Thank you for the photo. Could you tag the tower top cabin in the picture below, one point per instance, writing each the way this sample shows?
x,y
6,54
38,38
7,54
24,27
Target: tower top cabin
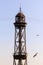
x,y
20,19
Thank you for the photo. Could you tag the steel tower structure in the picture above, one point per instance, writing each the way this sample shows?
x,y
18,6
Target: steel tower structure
x,y
20,55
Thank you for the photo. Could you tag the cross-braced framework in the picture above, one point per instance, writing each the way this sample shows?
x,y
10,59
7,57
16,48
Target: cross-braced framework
x,y
20,55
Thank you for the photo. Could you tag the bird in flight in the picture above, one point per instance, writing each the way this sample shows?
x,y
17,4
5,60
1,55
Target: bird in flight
x,y
37,35
35,54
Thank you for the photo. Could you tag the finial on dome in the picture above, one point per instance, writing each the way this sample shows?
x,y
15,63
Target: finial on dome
x,y
20,7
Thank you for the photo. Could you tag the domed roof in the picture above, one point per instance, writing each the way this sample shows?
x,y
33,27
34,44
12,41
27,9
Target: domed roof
x,y
20,19
20,14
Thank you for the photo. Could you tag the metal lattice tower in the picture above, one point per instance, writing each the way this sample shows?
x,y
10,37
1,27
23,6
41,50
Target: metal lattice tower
x,y
20,55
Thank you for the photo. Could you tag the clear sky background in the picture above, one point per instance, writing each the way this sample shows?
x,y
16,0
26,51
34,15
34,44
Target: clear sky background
x,y
33,10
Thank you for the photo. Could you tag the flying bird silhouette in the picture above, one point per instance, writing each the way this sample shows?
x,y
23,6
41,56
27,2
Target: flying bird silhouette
x,y
37,35
35,54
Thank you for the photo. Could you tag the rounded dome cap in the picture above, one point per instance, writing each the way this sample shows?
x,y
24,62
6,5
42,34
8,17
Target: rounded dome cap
x,y
20,14
20,19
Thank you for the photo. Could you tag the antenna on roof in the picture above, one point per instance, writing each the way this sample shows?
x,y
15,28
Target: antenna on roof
x,y
20,7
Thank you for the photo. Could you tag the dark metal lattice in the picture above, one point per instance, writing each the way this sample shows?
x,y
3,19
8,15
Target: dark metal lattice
x,y
20,55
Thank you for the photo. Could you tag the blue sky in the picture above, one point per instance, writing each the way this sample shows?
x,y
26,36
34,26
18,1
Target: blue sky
x,y
33,10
